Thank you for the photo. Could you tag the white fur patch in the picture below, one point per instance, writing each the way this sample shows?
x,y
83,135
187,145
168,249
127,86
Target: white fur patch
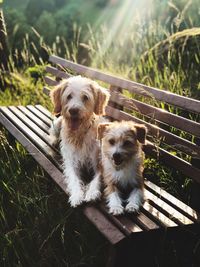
x,y
135,200
115,204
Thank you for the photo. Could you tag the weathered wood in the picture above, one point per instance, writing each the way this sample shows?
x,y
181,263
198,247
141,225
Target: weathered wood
x,y
58,73
133,87
40,115
172,201
103,225
157,216
50,81
144,221
36,120
45,111
171,212
157,113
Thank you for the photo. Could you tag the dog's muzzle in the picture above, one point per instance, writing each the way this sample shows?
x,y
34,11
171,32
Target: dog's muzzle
x,y
117,158
75,119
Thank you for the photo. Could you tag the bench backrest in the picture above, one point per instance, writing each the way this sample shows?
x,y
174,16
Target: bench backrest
x,y
171,119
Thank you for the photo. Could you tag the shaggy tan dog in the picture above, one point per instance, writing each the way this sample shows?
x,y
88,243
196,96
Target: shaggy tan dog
x,y
122,164
81,103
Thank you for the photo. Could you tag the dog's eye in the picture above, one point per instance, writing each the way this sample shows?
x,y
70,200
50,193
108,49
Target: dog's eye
x,y
111,141
85,98
69,97
127,143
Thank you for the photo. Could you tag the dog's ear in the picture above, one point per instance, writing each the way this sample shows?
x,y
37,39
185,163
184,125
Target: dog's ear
x,y
56,94
141,132
101,96
101,129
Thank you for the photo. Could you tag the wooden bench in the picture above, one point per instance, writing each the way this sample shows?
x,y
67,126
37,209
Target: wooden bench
x,y
163,216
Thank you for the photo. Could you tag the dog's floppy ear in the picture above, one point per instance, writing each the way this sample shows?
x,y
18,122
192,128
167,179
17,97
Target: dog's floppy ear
x,y
101,129
141,132
56,94
101,96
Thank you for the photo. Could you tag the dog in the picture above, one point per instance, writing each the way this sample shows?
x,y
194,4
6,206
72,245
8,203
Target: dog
x,y
81,103
122,165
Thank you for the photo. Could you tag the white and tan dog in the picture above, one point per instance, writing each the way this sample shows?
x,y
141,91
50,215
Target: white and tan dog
x,y
81,102
122,165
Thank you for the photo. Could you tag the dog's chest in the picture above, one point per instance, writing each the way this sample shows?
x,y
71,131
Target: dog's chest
x,y
82,155
125,177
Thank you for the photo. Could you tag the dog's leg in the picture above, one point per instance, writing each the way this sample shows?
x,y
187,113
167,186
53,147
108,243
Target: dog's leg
x,y
54,130
135,200
74,186
93,192
114,201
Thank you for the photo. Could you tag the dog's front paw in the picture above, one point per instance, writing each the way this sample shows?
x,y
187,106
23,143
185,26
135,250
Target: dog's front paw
x,y
132,207
92,195
116,210
76,199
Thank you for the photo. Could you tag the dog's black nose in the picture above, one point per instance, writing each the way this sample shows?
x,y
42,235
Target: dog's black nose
x,y
117,157
74,112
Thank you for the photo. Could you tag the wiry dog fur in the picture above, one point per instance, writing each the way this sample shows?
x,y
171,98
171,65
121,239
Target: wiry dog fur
x,y
122,164
81,102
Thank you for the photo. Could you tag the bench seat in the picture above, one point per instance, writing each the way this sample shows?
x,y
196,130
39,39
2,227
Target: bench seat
x,y
30,124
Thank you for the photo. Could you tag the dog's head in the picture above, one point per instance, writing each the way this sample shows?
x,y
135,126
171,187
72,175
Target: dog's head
x,y
77,98
121,141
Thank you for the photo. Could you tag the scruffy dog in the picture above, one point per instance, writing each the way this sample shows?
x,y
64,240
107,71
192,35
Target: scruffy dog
x,y
122,165
81,102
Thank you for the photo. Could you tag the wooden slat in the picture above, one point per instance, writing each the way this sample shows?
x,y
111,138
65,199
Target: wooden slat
x,y
144,221
129,224
116,220
50,81
32,117
173,201
103,225
58,73
157,114
40,115
25,129
45,111
32,125
171,212
133,87
158,216
100,221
